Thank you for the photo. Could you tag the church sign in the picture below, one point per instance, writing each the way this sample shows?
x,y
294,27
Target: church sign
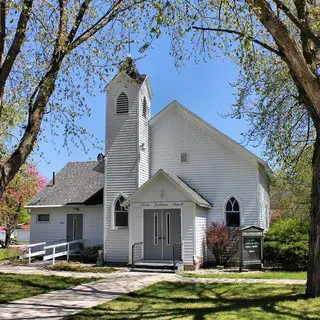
x,y
251,247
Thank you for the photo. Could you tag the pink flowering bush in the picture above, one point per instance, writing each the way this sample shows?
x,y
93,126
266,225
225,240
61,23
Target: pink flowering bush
x,y
26,184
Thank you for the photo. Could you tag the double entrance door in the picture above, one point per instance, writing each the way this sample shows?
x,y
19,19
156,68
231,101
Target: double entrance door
x,y
162,230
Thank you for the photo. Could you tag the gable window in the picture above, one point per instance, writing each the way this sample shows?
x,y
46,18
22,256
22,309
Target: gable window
x,y
120,213
144,107
122,103
233,213
43,217
184,157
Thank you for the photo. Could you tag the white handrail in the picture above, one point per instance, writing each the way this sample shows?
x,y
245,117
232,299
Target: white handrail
x,y
34,254
36,244
66,252
62,244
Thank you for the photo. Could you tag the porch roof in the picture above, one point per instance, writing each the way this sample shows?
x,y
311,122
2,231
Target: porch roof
x,y
179,183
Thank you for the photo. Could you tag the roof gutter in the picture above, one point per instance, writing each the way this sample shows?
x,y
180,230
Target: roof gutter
x,y
59,205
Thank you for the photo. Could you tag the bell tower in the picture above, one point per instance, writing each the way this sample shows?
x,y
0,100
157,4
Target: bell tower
x,y
127,151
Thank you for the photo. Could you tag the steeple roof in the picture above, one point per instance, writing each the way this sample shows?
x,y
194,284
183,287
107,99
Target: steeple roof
x,y
129,67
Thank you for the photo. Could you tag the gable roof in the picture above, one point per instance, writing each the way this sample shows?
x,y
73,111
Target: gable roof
x,y
179,183
75,183
178,106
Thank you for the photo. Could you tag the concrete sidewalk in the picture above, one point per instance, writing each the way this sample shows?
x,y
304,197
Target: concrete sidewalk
x,y
59,304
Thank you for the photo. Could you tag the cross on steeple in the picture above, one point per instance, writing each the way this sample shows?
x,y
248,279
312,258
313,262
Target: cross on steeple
x,y
129,43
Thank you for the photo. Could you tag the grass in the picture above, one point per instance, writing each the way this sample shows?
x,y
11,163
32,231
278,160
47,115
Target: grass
x,y
78,267
9,253
196,301
19,286
299,275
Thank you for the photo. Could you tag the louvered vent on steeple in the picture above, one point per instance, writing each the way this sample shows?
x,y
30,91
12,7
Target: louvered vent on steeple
x,y
144,107
122,103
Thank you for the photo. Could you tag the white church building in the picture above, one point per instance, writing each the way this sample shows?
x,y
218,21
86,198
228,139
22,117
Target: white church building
x,y
163,179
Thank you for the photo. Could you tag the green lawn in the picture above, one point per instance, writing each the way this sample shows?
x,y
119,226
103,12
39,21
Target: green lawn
x,y
14,286
9,253
250,275
195,301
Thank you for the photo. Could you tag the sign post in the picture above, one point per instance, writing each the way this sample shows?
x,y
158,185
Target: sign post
x,y
251,247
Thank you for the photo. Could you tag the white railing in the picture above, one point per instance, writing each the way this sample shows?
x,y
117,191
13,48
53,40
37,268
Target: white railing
x,y
31,254
65,252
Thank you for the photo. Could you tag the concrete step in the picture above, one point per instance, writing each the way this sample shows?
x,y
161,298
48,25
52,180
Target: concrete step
x,y
153,270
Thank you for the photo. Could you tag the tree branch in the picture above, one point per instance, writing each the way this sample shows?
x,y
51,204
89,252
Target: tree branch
x,y
113,11
103,21
298,21
293,55
3,14
79,18
36,111
241,34
15,47
63,22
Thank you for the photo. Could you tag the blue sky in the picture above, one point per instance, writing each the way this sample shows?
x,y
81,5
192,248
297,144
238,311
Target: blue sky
x,y
204,88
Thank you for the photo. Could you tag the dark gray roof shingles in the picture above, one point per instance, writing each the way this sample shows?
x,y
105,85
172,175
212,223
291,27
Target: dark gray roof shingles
x,y
75,183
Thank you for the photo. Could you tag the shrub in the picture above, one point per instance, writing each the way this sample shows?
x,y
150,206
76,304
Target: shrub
x,y
286,244
90,254
222,241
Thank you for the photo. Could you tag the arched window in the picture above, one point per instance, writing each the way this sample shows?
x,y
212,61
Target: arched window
x,y
120,213
233,213
122,103
144,107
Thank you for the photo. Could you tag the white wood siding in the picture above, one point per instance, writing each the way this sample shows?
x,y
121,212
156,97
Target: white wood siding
x,y
56,228
200,232
124,134
264,201
214,170
144,169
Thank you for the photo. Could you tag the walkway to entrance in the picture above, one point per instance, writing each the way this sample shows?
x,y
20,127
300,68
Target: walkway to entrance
x,y
59,304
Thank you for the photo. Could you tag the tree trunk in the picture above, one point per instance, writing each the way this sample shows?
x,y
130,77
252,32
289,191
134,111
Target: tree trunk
x,y
8,238
11,226
313,282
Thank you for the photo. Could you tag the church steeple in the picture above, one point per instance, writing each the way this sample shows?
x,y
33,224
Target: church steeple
x,y
129,67
127,148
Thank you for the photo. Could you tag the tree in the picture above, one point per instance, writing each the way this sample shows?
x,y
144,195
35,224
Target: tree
x,y
27,183
291,190
51,54
277,45
222,241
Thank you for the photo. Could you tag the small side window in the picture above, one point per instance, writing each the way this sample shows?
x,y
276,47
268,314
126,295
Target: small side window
x,y
43,217
120,214
184,157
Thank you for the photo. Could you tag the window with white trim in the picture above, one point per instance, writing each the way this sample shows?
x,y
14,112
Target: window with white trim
x,y
122,103
120,214
43,217
233,213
